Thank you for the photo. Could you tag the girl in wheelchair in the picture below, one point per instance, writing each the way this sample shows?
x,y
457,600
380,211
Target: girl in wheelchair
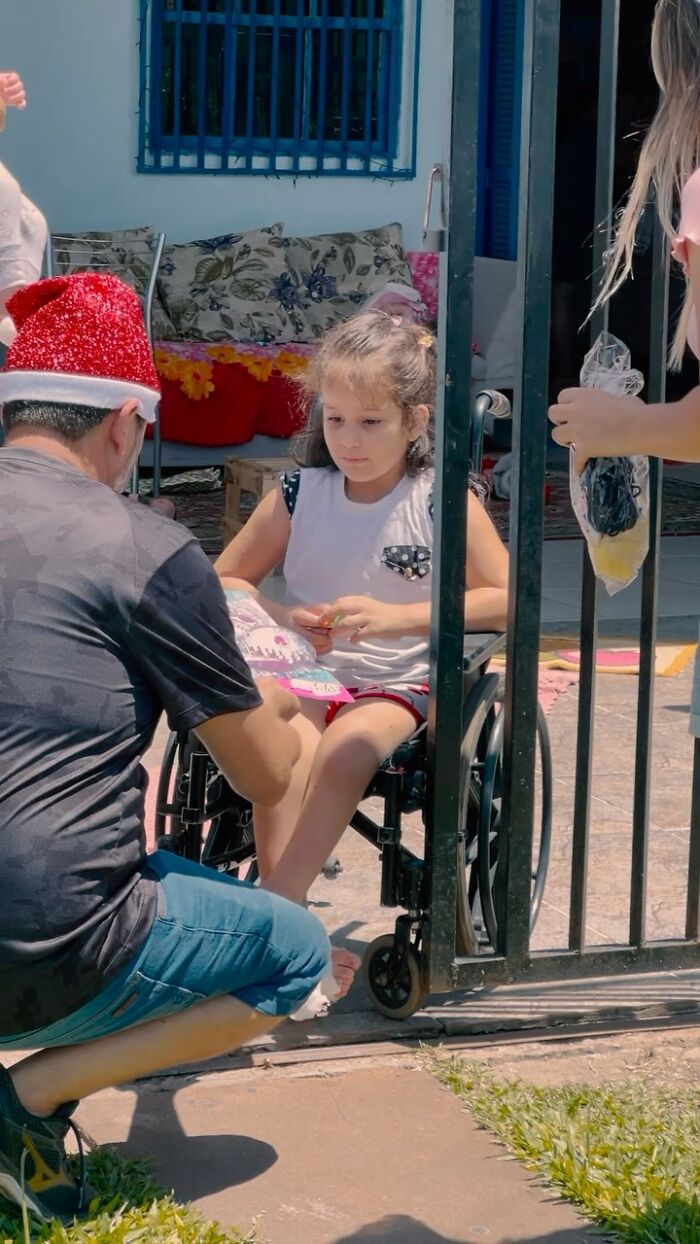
x,y
354,528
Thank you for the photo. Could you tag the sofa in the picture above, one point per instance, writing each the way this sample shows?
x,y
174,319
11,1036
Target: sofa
x,y
237,317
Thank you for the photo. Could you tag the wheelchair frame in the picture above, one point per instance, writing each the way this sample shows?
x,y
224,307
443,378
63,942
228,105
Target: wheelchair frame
x,y
393,970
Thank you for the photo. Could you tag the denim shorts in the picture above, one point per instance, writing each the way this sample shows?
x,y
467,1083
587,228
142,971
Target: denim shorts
x,y
212,935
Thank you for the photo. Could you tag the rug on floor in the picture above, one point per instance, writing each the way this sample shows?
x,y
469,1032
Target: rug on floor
x,y
670,659
558,654
680,510
203,512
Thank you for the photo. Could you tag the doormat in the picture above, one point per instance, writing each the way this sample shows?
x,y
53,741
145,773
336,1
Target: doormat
x,y
203,514
680,510
670,659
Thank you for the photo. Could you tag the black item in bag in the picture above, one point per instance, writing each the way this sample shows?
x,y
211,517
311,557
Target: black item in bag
x,y
611,495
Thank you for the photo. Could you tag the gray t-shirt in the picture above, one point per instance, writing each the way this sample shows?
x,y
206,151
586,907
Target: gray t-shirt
x,y
109,614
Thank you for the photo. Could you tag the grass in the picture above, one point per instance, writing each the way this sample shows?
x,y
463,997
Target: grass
x,y
627,1155
131,1209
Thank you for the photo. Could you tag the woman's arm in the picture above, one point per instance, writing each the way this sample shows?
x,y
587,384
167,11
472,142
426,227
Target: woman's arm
x,y
600,425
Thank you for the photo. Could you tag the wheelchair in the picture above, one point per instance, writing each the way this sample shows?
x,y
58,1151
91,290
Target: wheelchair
x,y
200,816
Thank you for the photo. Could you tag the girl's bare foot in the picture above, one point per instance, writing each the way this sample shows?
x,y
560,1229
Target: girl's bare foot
x,y
344,965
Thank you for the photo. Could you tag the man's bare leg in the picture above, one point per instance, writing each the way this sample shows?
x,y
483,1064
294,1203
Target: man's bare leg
x,y
275,826
51,1078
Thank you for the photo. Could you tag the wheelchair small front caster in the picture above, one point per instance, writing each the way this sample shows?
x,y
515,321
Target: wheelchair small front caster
x,y
395,987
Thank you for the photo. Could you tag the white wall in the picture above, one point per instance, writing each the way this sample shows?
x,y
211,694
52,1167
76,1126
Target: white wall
x,y
74,149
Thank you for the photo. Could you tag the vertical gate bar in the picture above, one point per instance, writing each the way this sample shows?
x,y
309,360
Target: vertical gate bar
x,y
345,86
692,915
453,428
369,86
539,112
322,86
202,84
177,81
230,55
250,85
300,37
274,86
602,230
656,389
145,44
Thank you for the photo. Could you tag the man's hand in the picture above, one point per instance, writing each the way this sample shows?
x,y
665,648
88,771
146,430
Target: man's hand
x,y
12,89
361,617
598,424
284,703
306,620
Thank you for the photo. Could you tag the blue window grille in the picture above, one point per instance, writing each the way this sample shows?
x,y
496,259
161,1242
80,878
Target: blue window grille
x,y
279,87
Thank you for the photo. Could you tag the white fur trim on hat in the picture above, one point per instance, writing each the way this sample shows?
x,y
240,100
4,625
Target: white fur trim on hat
x,y
52,386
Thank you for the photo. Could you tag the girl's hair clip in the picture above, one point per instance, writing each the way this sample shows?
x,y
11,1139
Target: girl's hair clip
x,y
426,340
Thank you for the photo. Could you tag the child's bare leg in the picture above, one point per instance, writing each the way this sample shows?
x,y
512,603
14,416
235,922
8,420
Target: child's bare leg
x,y
350,751
275,826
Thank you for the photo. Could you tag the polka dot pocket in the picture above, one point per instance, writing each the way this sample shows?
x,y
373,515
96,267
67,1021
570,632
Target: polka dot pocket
x,y
411,561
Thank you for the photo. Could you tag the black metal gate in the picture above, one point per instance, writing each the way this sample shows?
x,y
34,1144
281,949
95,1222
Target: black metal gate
x,y
512,958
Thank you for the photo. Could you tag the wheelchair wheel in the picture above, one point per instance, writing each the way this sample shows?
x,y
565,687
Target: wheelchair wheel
x,y
481,816
221,836
173,832
396,989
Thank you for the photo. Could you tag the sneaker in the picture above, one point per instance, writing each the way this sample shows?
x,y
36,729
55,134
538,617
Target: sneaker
x,y
34,1166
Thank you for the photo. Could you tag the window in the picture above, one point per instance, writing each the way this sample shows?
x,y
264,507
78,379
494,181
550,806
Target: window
x,y
279,86
502,25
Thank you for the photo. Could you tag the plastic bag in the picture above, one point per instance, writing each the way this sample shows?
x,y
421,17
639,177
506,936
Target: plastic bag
x,y
611,496
272,649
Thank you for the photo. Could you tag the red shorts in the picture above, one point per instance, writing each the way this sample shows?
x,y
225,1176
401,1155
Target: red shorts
x,y
413,697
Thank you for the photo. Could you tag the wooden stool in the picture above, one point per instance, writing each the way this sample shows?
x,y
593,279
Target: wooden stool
x,y
247,481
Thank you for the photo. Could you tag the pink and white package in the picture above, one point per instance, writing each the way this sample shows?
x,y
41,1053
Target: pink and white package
x,y
280,652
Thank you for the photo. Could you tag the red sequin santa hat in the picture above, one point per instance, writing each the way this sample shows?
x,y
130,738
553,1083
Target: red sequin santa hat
x,y
81,340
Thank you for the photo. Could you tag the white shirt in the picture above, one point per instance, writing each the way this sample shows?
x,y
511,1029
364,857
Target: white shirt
x,y
23,234
340,547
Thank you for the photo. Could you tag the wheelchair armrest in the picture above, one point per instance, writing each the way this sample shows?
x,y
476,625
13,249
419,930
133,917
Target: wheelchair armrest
x,y
478,649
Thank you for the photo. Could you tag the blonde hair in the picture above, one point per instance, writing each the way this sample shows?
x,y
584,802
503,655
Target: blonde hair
x,y
373,353
670,152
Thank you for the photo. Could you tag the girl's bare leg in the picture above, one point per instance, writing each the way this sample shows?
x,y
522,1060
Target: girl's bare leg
x,y
346,758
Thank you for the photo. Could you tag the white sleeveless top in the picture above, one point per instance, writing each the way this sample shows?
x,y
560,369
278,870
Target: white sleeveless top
x,y
344,548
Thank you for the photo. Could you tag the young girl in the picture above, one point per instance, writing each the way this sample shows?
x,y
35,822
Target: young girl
x,y
355,529
596,423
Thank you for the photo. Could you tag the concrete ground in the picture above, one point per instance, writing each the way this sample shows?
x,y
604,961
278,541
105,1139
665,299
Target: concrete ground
x,y
346,1155
361,1146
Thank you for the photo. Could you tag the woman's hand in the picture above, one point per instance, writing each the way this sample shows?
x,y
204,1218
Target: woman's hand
x,y
361,617
599,425
306,621
12,89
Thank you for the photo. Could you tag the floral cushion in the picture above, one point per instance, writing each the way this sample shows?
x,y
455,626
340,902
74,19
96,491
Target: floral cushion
x,y
331,275
227,288
127,253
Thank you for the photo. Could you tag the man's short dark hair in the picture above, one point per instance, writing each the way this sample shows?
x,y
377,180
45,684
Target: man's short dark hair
x,y
69,421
